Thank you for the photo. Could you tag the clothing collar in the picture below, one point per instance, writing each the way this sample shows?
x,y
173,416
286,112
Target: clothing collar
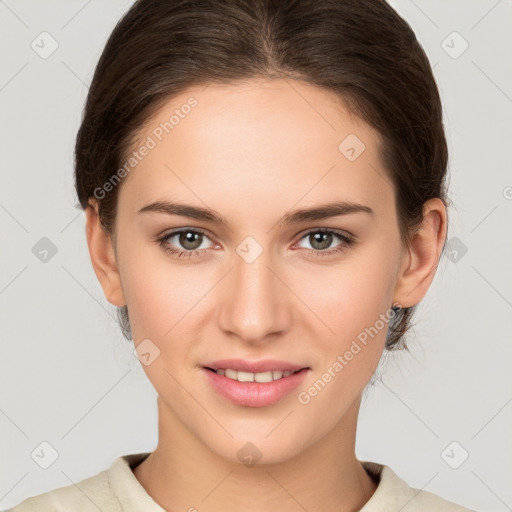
x,y
134,498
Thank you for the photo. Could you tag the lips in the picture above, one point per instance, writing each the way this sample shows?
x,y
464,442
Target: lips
x,y
247,383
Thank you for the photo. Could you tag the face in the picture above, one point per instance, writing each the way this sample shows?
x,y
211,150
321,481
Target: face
x,y
311,293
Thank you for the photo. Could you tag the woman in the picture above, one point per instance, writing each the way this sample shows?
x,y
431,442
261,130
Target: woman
x,y
264,188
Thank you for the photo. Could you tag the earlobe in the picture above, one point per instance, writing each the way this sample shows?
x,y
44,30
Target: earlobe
x,y
422,257
103,257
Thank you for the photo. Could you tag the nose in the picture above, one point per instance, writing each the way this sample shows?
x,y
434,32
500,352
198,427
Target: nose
x,y
254,304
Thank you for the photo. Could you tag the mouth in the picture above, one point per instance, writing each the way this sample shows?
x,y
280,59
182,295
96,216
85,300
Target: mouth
x,y
254,384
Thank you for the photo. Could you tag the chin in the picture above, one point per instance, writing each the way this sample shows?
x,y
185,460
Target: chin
x,y
259,449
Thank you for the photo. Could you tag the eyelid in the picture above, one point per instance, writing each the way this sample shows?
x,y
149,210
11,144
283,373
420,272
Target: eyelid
x,y
336,231
175,231
347,240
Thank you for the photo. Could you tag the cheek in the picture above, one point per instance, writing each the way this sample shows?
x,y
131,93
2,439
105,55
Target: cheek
x,y
354,305
353,301
156,291
350,297
341,299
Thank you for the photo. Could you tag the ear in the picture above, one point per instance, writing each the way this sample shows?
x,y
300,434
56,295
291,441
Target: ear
x,y
103,257
421,258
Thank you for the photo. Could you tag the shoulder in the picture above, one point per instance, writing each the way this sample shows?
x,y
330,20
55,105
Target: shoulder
x,y
90,494
394,494
113,490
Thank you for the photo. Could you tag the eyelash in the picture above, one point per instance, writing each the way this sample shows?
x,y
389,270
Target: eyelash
x,y
348,242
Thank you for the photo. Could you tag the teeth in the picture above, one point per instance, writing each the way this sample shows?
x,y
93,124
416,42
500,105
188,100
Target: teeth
x,y
231,374
263,376
240,376
245,377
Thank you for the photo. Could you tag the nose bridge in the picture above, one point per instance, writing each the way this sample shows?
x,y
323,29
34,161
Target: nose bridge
x,y
253,305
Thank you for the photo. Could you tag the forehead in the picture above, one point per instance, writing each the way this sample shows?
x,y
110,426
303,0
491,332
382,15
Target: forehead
x,y
266,140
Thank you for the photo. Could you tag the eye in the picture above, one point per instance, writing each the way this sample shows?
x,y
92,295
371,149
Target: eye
x,y
189,239
322,238
192,240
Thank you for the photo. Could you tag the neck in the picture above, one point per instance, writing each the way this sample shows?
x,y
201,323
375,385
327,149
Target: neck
x,y
184,474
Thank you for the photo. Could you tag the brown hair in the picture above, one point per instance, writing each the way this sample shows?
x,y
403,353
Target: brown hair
x,y
361,50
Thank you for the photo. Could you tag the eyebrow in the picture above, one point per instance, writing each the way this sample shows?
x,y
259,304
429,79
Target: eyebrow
x,y
320,212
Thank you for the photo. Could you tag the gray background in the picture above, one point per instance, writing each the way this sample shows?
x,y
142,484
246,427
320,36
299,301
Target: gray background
x,y
69,379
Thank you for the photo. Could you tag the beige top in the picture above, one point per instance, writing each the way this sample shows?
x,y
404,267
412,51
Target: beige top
x,y
117,489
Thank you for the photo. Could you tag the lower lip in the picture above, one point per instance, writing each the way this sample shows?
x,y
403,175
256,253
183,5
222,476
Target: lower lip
x,y
255,394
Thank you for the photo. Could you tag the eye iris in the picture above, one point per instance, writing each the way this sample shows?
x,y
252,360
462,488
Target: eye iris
x,y
187,237
325,240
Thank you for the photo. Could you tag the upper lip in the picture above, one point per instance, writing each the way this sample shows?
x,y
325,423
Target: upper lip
x,y
253,366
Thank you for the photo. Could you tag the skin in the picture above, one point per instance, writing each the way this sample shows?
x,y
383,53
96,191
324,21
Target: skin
x,y
253,152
